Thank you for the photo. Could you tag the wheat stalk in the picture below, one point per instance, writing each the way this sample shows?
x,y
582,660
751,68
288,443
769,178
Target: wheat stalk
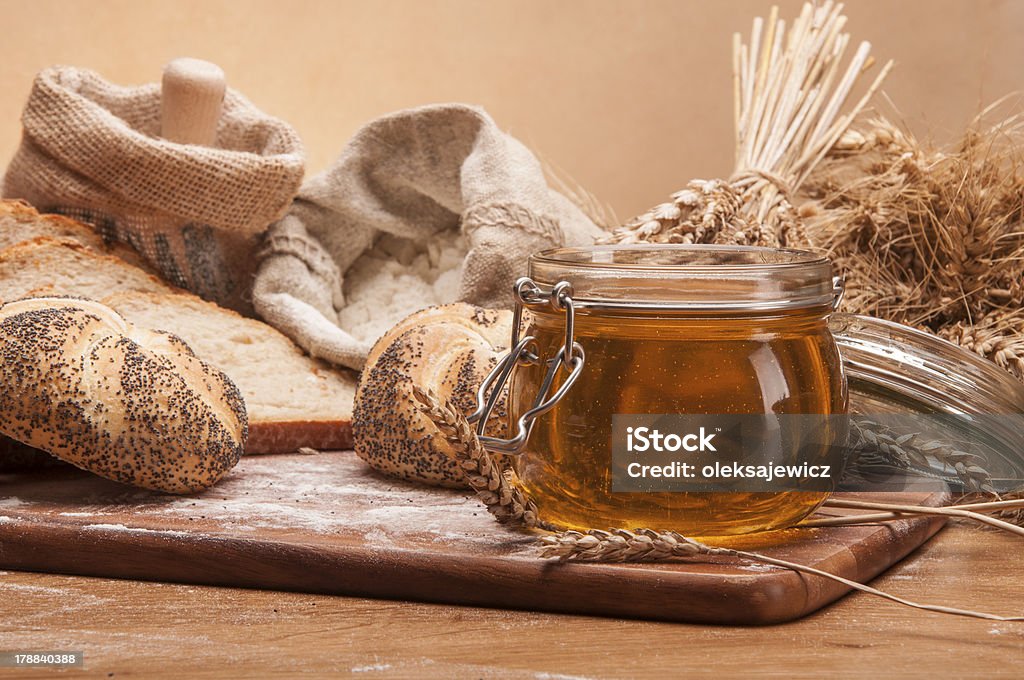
x,y
1007,509
954,511
645,545
1011,512
789,97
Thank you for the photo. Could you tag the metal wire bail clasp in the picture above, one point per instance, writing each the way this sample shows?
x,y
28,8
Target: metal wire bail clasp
x,y
569,357
838,291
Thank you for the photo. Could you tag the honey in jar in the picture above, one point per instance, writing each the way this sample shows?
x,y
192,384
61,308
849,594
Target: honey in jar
x,y
697,330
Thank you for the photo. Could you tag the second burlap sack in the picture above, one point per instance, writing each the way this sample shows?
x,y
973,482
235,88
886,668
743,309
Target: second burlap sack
x,y
420,177
92,150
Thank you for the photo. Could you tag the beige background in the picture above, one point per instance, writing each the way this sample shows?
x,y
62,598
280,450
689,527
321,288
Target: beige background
x,y
630,99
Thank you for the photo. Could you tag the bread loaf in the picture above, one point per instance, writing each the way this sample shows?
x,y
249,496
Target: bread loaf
x,y
292,399
129,404
19,222
449,349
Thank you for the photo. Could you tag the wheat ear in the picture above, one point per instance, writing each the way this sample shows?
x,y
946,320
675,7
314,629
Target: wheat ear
x,y
496,488
904,450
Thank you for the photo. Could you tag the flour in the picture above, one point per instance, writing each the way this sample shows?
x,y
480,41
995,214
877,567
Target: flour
x,y
250,514
398,277
48,600
330,494
46,590
302,492
4,519
11,502
134,530
378,538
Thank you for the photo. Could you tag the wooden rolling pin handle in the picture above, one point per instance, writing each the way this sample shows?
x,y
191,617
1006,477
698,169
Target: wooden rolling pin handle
x,y
192,95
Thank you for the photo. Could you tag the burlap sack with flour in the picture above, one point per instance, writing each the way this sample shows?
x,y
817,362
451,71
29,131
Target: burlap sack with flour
x,y
405,189
91,149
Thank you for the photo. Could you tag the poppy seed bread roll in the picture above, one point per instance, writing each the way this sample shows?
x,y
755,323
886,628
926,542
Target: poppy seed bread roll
x,y
449,349
128,404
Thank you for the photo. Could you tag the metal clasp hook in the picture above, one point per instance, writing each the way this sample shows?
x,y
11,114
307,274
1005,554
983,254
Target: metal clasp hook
x,y
569,357
838,291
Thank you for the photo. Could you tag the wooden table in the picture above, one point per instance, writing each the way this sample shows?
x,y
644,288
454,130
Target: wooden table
x,y
134,629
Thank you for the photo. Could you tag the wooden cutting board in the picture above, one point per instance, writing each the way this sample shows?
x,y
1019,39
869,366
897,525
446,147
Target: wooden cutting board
x,y
327,524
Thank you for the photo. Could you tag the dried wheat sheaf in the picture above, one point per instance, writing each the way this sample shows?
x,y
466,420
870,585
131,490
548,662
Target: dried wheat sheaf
x,y
793,100
932,238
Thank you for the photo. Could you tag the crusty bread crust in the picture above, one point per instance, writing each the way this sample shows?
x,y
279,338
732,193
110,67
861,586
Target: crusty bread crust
x,y
20,222
448,349
39,261
128,404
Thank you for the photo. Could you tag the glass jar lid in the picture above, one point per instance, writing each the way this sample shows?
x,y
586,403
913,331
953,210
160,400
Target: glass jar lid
x,y
688,277
903,370
933,390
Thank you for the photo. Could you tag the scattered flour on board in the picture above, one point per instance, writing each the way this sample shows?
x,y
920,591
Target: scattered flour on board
x,y
46,590
46,600
300,493
148,643
134,530
4,519
11,502
332,493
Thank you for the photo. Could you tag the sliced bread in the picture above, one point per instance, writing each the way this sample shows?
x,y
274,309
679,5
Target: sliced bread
x,y
67,267
293,400
20,222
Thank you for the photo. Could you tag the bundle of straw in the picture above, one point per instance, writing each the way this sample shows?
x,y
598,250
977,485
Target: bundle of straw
x,y
932,238
790,94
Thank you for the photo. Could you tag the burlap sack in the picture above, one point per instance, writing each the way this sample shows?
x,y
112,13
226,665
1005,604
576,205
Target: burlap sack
x,y
414,174
91,150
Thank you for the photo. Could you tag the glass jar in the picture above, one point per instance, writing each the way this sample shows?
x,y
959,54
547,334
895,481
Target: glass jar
x,y
617,331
